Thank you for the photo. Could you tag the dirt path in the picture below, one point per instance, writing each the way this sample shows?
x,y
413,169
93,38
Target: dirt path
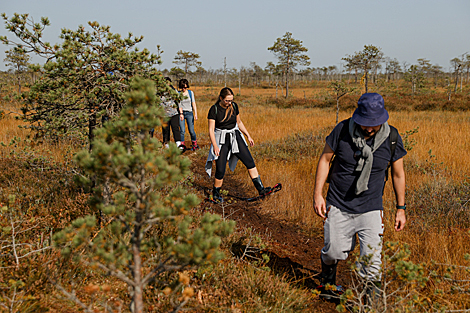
x,y
290,251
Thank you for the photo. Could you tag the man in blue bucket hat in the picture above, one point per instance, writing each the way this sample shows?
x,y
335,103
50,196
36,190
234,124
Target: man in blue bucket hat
x,y
363,147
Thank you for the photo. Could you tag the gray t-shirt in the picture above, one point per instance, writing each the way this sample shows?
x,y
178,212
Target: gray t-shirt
x,y
343,179
186,103
169,106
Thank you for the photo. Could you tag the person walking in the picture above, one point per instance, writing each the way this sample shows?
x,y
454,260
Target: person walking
x,y
228,143
188,112
363,147
172,113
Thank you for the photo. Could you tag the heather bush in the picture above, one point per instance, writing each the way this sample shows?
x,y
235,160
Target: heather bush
x,y
442,203
307,144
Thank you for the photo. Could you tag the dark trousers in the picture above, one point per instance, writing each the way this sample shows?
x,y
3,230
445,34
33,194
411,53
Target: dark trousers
x,y
174,124
244,155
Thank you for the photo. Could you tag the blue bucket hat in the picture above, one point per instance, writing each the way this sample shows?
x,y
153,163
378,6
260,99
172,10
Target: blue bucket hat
x,y
370,110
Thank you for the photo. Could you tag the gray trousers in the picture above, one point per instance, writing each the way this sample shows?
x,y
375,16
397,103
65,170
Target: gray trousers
x,y
340,231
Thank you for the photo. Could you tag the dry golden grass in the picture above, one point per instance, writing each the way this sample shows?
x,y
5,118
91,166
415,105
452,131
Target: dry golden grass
x,y
10,127
447,134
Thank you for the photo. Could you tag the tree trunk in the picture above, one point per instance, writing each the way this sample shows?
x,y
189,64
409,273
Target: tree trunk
x,y
225,72
277,84
376,74
365,80
138,296
240,82
337,110
461,78
287,83
91,127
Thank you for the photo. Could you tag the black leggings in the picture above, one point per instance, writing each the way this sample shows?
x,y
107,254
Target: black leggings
x,y
174,123
244,155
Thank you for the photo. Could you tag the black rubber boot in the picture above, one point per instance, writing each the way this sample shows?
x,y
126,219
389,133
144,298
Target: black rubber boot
x,y
216,194
328,288
328,273
259,186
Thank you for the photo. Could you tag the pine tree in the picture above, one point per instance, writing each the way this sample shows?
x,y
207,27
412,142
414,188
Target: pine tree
x,y
187,59
84,78
146,200
18,61
290,54
367,58
353,62
339,89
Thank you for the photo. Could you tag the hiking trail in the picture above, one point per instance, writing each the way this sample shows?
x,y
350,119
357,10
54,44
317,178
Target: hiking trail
x,y
290,251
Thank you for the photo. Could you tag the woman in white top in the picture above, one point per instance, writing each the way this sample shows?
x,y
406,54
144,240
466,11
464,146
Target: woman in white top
x,y
188,112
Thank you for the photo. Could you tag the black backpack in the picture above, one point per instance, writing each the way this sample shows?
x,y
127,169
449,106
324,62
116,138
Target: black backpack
x,y
393,138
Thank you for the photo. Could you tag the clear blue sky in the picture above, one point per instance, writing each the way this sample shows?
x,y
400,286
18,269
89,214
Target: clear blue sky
x,y
241,31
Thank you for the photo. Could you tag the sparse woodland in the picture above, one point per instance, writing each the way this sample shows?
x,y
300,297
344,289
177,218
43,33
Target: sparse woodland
x,y
96,216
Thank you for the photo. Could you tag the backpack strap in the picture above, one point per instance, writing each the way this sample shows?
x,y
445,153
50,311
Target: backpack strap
x,y
344,132
190,95
393,139
215,108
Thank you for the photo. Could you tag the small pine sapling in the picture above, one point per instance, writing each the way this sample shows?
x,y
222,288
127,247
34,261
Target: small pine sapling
x,y
339,89
400,289
146,199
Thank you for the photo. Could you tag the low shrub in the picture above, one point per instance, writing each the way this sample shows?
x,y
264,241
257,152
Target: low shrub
x,y
302,145
441,203
240,287
43,189
393,102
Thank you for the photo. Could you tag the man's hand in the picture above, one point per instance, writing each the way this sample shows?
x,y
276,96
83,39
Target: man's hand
x,y
323,168
398,179
320,206
400,220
